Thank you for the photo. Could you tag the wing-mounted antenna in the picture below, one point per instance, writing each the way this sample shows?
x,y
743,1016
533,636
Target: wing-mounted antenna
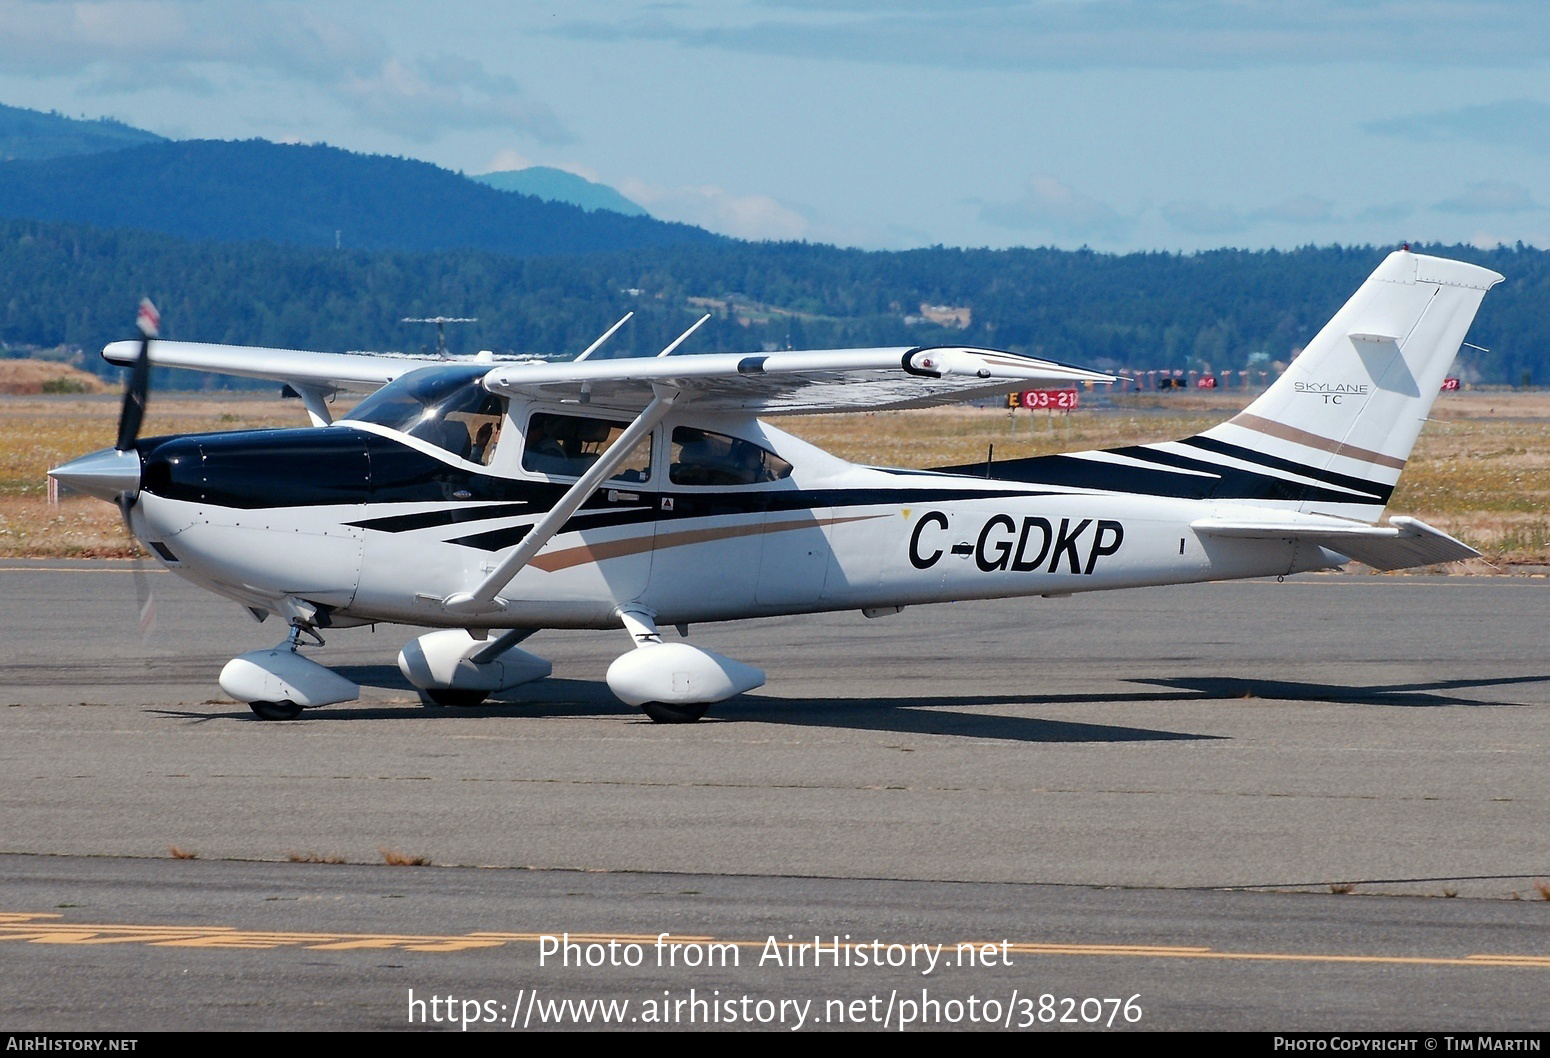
x,y
441,328
595,346
684,336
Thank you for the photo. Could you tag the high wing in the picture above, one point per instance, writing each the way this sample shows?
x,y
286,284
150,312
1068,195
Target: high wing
x,y
782,383
315,377
351,371
793,383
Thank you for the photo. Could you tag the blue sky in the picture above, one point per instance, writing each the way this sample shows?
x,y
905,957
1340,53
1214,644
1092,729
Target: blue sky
x,y
1116,124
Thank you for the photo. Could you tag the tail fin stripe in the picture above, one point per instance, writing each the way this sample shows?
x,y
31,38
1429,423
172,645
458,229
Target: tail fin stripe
x,y
1281,430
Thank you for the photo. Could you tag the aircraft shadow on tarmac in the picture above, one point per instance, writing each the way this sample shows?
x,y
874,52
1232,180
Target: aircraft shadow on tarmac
x,y
913,715
920,715
1423,694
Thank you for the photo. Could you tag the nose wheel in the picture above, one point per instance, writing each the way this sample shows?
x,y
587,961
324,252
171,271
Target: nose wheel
x,y
282,710
673,712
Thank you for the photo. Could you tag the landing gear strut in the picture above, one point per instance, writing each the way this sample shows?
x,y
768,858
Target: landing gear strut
x,y
279,683
673,683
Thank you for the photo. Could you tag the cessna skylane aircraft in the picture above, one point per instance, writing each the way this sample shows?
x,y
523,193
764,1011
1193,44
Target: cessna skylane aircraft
x,y
491,499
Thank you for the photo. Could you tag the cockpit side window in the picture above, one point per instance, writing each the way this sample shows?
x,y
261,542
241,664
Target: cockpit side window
x,y
568,445
445,406
468,425
700,457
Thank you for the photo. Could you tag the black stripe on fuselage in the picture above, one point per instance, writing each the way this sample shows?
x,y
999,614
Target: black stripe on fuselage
x,y
1222,483
1345,481
1244,479
403,523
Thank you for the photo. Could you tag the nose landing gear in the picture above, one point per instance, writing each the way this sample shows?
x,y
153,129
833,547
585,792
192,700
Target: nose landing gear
x,y
279,683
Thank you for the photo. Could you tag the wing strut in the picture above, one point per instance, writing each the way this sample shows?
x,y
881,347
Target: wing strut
x,y
315,400
482,600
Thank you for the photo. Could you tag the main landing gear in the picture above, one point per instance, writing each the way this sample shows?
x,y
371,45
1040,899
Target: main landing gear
x,y
674,683
459,667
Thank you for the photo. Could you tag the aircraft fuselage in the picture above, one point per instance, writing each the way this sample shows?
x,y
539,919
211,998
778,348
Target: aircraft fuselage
x,y
372,526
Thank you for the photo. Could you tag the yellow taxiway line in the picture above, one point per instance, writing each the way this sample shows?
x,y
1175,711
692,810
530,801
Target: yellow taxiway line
x,y
49,928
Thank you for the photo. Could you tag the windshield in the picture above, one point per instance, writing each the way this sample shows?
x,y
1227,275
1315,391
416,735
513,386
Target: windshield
x,y
444,405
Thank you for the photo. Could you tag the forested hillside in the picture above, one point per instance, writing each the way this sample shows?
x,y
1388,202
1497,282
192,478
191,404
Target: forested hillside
x,y
34,134
240,191
73,285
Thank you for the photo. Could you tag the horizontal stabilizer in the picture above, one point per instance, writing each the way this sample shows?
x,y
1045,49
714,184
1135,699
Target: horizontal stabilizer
x,y
1402,544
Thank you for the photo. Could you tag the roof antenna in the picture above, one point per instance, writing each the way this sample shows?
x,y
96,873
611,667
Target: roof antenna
x,y
441,328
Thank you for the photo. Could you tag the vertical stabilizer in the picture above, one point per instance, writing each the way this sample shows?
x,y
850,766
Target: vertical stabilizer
x,y
1349,408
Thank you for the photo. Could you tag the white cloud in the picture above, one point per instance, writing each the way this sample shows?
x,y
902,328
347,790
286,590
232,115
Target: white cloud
x,y
423,98
1300,209
1049,206
1131,34
716,209
1482,240
1490,196
508,160
1200,219
1390,213
215,48
1520,123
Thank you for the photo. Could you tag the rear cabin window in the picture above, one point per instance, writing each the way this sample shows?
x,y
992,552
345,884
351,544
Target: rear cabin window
x,y
700,457
568,445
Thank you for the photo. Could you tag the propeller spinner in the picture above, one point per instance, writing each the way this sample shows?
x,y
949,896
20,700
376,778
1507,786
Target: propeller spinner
x,y
113,474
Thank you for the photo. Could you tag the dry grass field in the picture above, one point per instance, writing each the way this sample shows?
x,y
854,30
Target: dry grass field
x,y
1480,471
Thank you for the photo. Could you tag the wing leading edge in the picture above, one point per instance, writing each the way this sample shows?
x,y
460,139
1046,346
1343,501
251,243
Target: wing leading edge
x,y
796,382
351,371
782,383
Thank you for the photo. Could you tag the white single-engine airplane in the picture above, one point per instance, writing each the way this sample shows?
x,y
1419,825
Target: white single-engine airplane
x,y
490,499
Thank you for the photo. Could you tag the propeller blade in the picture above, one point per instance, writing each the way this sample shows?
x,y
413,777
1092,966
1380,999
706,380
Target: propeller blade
x,y
138,388
143,594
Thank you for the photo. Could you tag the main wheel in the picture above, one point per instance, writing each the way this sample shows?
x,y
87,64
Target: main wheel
x,y
457,697
283,710
672,713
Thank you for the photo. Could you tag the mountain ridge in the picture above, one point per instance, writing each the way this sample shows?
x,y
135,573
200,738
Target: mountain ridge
x,y
311,195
